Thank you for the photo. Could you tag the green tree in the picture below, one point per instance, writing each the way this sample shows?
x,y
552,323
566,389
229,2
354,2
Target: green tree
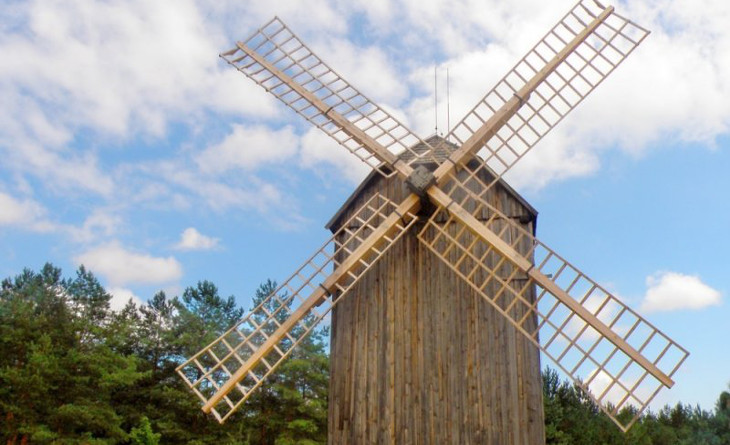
x,y
60,377
74,372
291,408
171,329
143,434
203,316
721,422
570,418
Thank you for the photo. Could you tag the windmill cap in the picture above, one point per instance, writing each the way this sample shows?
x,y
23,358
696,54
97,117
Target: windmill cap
x,y
441,150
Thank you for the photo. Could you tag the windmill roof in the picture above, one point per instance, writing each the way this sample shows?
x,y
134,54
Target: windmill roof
x,y
442,148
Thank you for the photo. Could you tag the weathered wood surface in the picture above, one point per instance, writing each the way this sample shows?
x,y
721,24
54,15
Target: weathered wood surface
x,y
417,357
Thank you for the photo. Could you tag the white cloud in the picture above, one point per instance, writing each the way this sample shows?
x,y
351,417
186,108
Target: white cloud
x,y
62,169
115,70
175,185
367,69
248,148
133,66
100,223
557,157
318,149
671,291
191,239
118,64
471,75
314,16
27,214
13,211
247,192
670,88
120,298
604,386
121,266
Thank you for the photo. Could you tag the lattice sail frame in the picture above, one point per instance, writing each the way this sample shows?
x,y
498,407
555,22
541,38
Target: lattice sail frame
x,y
208,370
293,61
610,377
566,87
279,61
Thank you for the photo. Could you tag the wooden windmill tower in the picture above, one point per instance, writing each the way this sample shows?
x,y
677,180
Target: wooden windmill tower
x,y
441,296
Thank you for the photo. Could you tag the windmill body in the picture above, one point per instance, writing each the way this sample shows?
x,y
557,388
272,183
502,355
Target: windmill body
x,y
417,356
440,293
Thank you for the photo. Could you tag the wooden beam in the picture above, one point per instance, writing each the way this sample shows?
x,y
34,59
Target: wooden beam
x,y
382,153
409,205
477,140
479,229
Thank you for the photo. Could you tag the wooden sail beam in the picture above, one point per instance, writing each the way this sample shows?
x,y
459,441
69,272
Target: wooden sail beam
x,y
512,106
479,229
276,59
580,73
409,206
377,149
268,345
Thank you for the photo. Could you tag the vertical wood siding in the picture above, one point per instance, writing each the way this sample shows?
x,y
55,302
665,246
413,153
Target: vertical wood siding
x,y
417,357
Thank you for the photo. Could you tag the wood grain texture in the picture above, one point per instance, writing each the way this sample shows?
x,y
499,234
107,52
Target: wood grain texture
x,y
417,357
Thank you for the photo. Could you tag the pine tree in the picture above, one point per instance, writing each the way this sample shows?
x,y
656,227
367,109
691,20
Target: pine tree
x,y
721,421
59,372
291,407
143,434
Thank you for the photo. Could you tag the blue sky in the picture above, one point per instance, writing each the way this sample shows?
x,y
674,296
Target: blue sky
x,y
127,145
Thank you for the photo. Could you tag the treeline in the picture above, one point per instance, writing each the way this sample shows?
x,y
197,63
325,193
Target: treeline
x,y
72,371
571,418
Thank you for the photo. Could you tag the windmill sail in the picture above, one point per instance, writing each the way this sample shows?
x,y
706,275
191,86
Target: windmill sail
x,y
225,373
599,50
618,358
275,58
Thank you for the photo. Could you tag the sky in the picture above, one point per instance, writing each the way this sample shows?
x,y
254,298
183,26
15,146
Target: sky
x,y
128,146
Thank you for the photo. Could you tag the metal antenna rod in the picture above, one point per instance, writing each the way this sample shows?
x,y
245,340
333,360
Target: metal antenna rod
x,y
435,102
448,105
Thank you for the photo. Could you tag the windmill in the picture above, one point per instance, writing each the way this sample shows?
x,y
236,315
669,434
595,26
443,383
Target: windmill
x,y
439,212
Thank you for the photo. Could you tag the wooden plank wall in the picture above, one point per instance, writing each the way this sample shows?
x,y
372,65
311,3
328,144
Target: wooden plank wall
x,y
418,358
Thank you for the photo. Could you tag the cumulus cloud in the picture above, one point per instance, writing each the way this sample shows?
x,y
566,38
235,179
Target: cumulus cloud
x,y
654,95
671,291
115,70
121,296
367,68
248,192
191,239
173,74
63,169
120,266
23,213
123,63
100,223
178,186
318,149
248,148
87,83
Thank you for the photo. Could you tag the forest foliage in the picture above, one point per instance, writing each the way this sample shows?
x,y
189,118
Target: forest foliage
x,y
72,371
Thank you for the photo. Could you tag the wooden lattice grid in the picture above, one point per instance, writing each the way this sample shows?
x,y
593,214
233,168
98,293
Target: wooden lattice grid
x,y
610,376
282,64
207,371
576,77
275,58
